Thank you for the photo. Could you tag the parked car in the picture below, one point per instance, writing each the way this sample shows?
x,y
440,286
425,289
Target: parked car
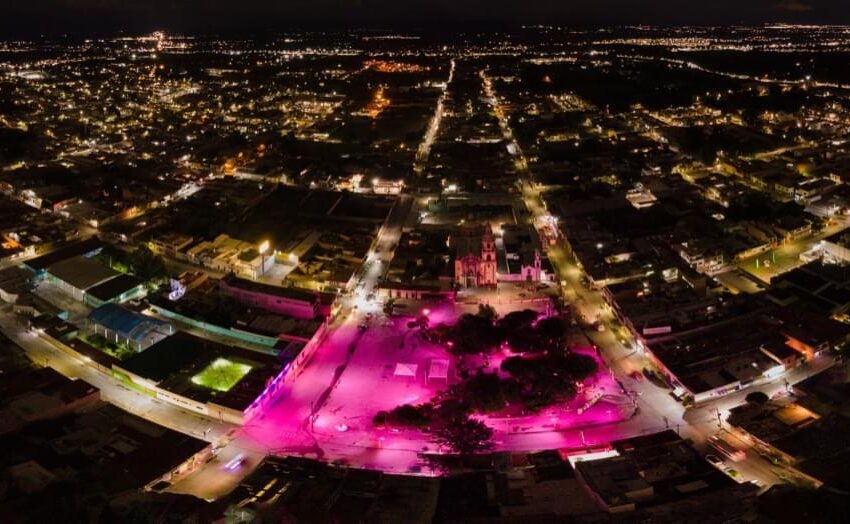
x,y
714,460
734,474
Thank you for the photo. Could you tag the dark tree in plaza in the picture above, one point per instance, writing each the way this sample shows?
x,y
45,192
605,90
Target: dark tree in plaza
x,y
464,435
486,392
551,334
406,415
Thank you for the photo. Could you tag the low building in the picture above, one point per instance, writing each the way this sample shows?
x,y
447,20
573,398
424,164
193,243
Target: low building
x,y
76,275
641,197
820,286
85,248
116,290
521,257
228,255
42,394
208,308
14,282
812,190
718,359
704,256
764,424
222,382
295,302
171,245
782,353
617,483
101,447
661,478
387,187
124,325
435,291
309,490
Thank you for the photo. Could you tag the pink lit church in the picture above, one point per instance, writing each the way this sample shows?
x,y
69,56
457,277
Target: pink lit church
x,y
475,257
481,261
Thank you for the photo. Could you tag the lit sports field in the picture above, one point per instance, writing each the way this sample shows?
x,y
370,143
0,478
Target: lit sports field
x,y
221,374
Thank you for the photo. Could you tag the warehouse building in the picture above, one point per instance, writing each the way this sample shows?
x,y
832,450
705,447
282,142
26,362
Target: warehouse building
x,y
115,290
76,275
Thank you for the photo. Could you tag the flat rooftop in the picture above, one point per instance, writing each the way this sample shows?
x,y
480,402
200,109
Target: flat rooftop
x,y
82,272
63,253
291,293
174,361
301,295
114,287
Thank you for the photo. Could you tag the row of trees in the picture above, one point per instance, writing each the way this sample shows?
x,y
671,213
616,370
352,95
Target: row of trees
x,y
484,332
535,382
546,372
549,378
449,422
543,372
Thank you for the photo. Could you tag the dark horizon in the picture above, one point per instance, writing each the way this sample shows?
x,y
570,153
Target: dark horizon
x,y
51,17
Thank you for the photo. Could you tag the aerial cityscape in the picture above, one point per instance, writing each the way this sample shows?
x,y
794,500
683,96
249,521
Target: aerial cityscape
x,y
538,274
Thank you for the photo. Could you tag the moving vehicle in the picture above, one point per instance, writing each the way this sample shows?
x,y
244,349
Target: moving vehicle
x,y
727,450
236,462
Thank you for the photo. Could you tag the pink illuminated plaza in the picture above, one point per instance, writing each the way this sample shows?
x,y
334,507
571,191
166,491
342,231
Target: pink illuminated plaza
x,y
327,408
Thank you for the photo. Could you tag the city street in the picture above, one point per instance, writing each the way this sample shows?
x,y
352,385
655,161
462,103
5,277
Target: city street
x,y
305,421
325,408
658,409
434,263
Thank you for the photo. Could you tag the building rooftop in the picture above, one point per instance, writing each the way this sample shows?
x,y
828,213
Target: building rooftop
x,y
82,272
291,293
173,362
114,287
14,280
652,470
84,247
179,352
127,323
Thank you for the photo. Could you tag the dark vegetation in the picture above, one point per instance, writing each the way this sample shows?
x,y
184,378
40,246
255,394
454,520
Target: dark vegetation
x,y
542,372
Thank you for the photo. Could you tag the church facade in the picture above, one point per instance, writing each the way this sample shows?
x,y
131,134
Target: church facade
x,y
475,257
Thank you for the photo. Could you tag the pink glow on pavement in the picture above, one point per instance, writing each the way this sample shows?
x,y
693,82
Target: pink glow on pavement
x,y
600,401
348,388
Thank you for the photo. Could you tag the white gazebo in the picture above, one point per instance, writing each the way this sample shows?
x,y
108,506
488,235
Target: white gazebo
x,y
438,369
403,369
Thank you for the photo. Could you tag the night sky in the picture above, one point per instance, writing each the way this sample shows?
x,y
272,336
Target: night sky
x,y
35,16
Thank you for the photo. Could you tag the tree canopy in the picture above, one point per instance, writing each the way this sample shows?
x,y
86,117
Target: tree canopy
x,y
464,435
484,333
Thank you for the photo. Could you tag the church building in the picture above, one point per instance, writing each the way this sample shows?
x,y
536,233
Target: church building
x,y
475,257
